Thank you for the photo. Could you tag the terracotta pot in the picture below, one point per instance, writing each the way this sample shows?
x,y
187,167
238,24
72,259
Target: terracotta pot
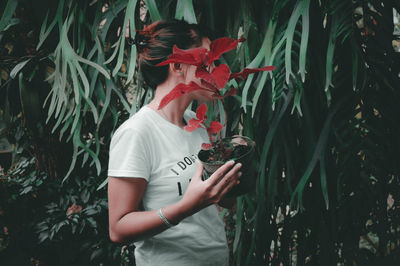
x,y
247,180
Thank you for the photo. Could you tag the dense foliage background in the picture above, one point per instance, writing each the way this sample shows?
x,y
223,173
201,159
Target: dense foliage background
x,y
326,124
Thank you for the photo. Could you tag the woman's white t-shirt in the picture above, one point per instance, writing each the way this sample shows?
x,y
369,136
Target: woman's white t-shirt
x,y
150,147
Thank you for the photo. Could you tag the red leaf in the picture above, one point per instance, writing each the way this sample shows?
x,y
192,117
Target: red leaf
x,y
194,56
221,75
193,124
217,79
178,91
231,92
214,127
198,53
242,75
203,74
209,86
221,46
201,112
206,146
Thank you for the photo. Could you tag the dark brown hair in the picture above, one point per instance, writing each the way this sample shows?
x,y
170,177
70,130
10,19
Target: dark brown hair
x,y
155,43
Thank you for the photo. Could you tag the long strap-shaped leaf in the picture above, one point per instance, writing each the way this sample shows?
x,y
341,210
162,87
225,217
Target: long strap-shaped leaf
x,y
8,13
329,58
304,42
257,61
324,182
300,9
260,213
318,154
129,18
267,144
78,144
109,15
267,54
153,10
185,10
58,18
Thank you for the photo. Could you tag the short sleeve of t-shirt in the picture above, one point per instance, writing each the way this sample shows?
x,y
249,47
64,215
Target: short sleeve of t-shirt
x,y
129,156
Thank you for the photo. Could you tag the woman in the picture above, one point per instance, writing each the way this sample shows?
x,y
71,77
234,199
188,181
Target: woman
x,y
156,194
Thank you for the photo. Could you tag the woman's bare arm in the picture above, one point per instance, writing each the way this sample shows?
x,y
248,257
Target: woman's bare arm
x,y
128,223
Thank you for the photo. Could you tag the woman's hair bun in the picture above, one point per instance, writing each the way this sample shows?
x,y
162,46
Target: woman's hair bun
x,y
141,40
156,41
144,37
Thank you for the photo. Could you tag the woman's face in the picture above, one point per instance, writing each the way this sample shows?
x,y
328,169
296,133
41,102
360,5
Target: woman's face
x,y
190,75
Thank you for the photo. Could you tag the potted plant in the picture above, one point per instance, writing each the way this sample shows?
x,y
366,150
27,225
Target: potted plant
x,y
237,148
215,79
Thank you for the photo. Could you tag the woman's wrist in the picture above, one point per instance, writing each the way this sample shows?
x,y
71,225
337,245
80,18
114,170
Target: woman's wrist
x,y
176,213
165,219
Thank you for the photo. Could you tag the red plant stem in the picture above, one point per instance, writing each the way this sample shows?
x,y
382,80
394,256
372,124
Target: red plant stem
x,y
221,145
226,114
225,122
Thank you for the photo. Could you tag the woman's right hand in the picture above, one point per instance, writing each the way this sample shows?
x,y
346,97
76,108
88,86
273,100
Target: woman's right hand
x,y
201,194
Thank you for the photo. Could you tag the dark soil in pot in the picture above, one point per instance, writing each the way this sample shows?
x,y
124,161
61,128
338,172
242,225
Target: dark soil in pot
x,y
237,148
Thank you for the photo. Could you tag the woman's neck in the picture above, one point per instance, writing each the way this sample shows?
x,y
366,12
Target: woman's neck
x,y
174,110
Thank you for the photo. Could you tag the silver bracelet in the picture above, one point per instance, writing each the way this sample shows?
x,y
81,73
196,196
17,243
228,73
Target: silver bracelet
x,y
164,219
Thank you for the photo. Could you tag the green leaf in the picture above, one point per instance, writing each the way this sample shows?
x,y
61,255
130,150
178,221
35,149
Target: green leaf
x,y
26,190
239,217
75,82
318,153
91,105
152,8
324,183
329,58
222,116
13,22
304,43
185,10
121,97
106,102
18,68
297,99
45,33
257,94
267,55
7,14
301,7
74,157
273,178
120,45
83,77
96,66
263,53
96,254
131,64
102,184
85,195
109,15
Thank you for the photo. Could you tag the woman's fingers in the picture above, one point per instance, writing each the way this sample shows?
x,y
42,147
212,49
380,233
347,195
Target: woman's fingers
x,y
229,185
200,194
230,179
216,177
